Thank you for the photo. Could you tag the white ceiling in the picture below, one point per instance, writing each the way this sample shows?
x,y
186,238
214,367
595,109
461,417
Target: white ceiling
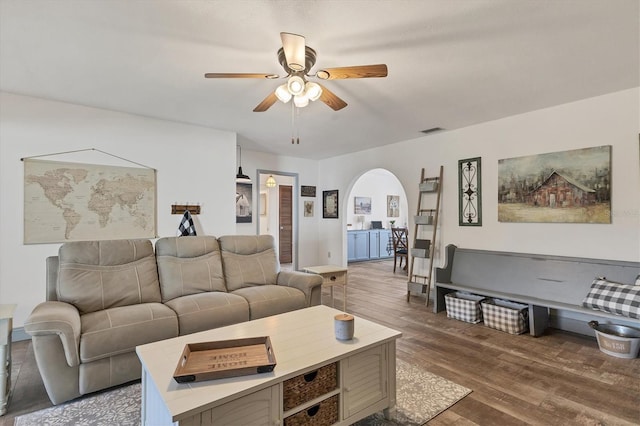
x,y
452,63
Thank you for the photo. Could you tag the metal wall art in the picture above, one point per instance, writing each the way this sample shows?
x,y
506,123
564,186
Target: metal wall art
x,y
469,193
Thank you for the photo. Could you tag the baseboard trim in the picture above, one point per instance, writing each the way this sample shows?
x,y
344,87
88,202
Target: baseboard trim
x,y
19,334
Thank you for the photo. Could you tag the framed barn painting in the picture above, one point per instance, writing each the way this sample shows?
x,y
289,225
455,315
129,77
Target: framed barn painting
x,y
567,187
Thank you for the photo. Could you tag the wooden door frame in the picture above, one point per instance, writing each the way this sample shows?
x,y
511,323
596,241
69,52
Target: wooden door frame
x,y
262,177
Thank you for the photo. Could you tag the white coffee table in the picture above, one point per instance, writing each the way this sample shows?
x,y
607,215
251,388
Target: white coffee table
x,y
303,341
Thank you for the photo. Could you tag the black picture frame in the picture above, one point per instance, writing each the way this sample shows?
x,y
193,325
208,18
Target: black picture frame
x,y
244,200
307,191
330,204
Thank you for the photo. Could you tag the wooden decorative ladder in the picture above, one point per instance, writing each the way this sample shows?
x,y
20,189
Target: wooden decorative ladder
x,y
423,248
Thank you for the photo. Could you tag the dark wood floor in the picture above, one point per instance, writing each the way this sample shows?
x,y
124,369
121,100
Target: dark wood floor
x,y
557,379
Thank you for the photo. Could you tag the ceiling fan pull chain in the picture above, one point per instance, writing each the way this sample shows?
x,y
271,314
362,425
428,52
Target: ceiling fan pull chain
x,y
298,126
293,122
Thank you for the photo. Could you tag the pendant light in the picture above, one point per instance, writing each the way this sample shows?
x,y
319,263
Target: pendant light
x,y
270,182
241,177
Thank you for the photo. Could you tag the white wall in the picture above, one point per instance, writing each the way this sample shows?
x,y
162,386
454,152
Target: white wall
x,y
613,119
307,171
193,165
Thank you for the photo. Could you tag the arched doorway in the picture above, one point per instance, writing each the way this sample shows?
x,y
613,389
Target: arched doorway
x,y
376,201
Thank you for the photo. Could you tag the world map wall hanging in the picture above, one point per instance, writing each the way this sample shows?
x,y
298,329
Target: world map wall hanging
x,y
66,201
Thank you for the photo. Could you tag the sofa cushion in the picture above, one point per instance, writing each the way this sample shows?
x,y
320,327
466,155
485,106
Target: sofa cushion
x,y
250,270
181,277
249,260
119,330
97,275
267,300
187,247
246,244
204,311
189,265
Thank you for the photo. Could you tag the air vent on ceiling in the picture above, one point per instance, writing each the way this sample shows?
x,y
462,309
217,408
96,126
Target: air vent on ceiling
x,y
431,130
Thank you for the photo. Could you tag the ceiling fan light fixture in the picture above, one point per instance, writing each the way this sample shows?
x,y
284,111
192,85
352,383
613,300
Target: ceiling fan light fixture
x,y
301,101
294,50
270,182
295,85
313,91
283,94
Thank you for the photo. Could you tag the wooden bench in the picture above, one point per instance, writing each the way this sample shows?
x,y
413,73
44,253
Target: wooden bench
x,y
550,285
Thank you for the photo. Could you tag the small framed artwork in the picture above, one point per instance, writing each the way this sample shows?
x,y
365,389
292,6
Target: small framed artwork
x,y
307,191
469,192
330,204
362,205
243,203
263,204
393,206
308,209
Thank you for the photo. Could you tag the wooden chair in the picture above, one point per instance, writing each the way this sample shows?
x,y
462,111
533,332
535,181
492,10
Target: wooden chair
x,y
400,247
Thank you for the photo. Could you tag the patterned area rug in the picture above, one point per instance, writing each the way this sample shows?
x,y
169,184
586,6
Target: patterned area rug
x,y
420,397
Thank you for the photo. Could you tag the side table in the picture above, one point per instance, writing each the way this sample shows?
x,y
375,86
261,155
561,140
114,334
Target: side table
x,y
332,275
6,327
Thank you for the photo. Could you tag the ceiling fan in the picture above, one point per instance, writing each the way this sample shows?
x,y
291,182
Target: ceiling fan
x,y
297,59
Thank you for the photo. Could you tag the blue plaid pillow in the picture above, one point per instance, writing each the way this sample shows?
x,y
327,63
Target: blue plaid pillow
x,y
615,298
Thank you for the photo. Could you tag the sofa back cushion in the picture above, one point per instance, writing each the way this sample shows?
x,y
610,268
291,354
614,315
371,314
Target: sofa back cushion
x,y
96,275
189,265
249,260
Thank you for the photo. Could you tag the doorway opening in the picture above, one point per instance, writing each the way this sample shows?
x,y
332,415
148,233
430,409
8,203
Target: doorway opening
x,y
277,209
375,203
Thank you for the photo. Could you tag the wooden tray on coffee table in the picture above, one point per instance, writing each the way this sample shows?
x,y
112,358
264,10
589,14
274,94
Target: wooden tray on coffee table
x,y
225,358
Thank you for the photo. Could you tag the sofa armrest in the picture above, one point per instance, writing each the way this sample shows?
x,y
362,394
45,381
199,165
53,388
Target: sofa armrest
x,y
58,318
309,284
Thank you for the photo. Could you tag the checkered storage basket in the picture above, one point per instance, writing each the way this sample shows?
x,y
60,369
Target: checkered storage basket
x,y
506,316
464,306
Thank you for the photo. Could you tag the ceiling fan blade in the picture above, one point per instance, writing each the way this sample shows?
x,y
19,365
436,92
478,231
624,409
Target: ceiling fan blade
x,y
331,99
266,103
238,75
294,50
358,71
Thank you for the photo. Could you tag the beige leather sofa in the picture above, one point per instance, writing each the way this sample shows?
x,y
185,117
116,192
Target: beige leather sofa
x,y
104,298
